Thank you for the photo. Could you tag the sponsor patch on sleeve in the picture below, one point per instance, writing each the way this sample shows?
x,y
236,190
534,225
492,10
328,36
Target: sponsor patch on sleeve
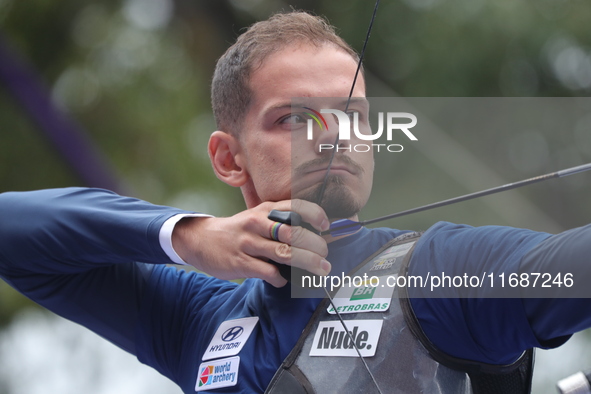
x,y
217,374
230,338
331,339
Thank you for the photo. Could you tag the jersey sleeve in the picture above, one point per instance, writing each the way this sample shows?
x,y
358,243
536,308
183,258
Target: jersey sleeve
x,y
479,325
85,254
568,310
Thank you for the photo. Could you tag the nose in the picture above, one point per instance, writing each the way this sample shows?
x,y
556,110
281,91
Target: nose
x,y
327,138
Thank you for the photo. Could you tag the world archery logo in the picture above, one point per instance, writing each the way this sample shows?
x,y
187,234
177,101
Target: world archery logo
x,y
232,333
205,374
218,374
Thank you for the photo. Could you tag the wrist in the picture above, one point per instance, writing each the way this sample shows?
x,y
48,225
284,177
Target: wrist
x,y
185,239
166,235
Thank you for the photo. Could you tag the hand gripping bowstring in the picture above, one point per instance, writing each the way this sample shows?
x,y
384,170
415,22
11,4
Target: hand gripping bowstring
x,y
323,188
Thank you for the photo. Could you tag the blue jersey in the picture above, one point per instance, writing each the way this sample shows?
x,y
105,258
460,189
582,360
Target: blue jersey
x,y
94,257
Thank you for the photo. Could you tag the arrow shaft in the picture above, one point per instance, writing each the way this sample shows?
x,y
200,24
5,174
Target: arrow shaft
x,y
470,196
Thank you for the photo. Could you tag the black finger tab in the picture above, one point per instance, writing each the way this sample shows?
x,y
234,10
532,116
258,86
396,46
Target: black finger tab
x,y
286,217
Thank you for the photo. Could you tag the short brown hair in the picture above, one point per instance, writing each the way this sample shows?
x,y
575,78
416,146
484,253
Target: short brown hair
x,y
230,90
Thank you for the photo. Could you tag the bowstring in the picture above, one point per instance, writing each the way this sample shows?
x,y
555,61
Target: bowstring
x,y
323,188
359,63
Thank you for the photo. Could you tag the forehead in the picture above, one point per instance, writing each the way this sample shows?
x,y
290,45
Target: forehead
x,y
304,71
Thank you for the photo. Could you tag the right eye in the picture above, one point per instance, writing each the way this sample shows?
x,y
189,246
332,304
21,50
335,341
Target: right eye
x,y
297,118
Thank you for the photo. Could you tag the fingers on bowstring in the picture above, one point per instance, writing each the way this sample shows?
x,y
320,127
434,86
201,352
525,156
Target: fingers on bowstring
x,y
311,213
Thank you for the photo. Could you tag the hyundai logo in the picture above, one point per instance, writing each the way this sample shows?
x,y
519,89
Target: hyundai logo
x,y
232,333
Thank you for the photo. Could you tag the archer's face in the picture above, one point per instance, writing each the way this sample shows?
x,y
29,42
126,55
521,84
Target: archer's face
x,y
281,162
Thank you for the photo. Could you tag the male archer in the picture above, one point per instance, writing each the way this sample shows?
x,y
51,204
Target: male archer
x,y
99,259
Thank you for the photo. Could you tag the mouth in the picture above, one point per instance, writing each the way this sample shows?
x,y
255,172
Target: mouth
x,y
336,169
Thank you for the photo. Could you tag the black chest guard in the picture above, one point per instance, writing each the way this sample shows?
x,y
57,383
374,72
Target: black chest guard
x,y
403,360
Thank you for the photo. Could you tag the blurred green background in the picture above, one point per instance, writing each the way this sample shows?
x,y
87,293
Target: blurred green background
x,y
134,75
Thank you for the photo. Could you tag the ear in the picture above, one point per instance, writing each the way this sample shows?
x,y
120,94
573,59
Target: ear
x,y
226,158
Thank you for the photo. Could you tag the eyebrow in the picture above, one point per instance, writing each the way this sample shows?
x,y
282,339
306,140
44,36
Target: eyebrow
x,y
290,104
280,106
354,100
